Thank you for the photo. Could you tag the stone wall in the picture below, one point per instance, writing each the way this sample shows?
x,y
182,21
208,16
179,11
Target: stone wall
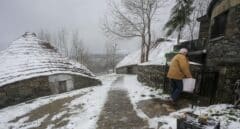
x,y
155,75
228,76
233,24
24,90
151,75
121,70
82,82
36,87
226,49
131,69
222,51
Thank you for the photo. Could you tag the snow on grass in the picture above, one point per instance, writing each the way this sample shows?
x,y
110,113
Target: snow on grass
x,y
59,115
27,125
229,117
34,124
12,112
168,122
83,111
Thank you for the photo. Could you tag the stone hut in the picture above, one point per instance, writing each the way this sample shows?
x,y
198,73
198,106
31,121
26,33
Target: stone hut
x,y
31,68
129,64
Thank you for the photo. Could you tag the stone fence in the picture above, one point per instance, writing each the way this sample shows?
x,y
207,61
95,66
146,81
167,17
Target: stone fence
x,y
152,75
130,69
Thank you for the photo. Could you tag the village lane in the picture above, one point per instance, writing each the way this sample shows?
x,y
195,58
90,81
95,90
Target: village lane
x,y
118,112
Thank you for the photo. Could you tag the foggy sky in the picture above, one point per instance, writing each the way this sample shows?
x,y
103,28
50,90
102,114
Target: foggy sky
x,y
19,16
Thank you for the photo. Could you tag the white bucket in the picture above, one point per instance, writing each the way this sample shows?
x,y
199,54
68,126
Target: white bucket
x,y
189,85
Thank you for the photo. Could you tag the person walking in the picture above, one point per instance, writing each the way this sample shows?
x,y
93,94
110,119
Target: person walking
x,y
178,70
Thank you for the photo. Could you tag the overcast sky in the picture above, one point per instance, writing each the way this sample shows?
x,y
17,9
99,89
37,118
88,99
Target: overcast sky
x,y
19,16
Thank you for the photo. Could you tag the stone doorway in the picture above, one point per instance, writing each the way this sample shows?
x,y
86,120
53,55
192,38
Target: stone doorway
x,y
61,83
62,86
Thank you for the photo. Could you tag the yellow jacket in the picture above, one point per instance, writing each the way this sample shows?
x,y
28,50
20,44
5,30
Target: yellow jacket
x,y
179,68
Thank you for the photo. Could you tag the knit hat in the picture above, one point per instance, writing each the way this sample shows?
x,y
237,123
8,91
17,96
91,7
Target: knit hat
x,y
183,50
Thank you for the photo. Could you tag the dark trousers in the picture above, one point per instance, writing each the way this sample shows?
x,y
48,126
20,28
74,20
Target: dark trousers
x,y
177,87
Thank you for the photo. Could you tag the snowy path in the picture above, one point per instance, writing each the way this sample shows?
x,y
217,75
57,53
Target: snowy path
x,y
118,112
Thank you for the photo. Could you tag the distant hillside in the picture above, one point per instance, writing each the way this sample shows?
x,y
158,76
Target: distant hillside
x,y
98,64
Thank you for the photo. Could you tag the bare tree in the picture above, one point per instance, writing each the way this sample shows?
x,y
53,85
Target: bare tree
x,y
44,35
111,55
61,41
78,51
133,18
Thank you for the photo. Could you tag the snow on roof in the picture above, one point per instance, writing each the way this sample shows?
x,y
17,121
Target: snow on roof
x,y
156,55
29,57
130,59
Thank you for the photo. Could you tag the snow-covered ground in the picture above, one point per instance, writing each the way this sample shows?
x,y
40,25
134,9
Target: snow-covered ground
x,y
80,109
229,117
81,112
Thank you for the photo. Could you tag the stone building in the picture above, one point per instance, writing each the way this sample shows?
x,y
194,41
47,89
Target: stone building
x,y
223,47
219,37
31,68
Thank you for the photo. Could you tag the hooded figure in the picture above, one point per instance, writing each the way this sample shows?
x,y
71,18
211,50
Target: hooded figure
x,y
178,70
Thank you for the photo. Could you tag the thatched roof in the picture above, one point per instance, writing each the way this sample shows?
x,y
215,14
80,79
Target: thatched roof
x,y
29,57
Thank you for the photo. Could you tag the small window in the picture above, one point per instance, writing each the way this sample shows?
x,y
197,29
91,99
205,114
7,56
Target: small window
x,y
219,25
62,86
2,92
